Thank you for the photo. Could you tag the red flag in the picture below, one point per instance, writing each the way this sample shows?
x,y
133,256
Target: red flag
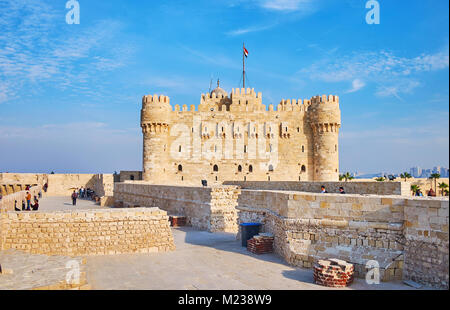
x,y
245,52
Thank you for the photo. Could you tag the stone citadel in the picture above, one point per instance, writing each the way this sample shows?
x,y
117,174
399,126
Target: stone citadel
x,y
232,137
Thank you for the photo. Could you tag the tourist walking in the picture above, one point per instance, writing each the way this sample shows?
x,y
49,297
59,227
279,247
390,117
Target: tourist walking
x,y
341,190
323,190
28,197
74,198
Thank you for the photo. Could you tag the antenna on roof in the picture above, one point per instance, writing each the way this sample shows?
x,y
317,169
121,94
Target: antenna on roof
x,y
210,83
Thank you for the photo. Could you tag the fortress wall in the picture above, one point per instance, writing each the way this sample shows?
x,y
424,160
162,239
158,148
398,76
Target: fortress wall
x,y
7,202
426,243
58,184
128,175
91,232
375,188
206,208
219,133
357,229
15,182
64,184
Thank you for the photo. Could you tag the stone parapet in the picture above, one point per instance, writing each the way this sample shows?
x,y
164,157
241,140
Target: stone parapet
x,y
90,232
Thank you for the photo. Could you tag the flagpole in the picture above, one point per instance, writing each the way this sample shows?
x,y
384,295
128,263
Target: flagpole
x,y
243,64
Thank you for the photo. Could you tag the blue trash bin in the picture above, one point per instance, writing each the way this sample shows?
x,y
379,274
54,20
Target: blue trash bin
x,y
248,230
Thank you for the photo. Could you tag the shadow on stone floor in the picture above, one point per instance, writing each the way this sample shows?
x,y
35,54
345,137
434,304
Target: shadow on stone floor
x,y
226,242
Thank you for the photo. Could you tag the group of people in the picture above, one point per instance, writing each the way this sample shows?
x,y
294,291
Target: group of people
x,y
431,193
324,191
81,193
28,206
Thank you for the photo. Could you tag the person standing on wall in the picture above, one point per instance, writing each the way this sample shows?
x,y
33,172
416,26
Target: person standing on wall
x,y
74,198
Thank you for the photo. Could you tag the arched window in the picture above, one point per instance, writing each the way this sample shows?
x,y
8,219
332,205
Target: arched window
x,y
180,168
245,149
250,168
132,177
303,168
239,168
303,149
335,147
179,148
215,168
270,168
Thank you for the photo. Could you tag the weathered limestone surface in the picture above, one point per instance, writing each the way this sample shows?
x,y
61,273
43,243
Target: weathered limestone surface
x,y
426,242
87,232
233,137
211,209
374,188
58,184
7,202
408,237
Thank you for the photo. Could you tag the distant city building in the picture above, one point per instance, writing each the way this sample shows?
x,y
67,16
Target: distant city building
x,y
415,172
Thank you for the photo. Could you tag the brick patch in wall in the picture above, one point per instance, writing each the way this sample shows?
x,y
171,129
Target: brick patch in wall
x,y
333,273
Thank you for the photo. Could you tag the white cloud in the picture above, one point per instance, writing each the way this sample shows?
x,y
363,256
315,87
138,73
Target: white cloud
x,y
285,5
393,75
36,50
402,86
242,31
357,84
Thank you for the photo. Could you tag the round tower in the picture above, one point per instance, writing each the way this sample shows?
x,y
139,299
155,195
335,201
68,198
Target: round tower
x,y
324,117
155,124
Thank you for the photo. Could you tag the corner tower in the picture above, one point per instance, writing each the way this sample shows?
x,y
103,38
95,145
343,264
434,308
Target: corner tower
x,y
155,124
324,117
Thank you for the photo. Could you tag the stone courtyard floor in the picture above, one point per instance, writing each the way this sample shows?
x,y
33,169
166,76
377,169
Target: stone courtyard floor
x,y
205,261
49,204
202,260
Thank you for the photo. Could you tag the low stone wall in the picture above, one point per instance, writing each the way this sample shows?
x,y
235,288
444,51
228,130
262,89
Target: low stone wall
x,y
87,232
308,227
64,184
206,208
374,188
7,202
426,242
406,236
58,184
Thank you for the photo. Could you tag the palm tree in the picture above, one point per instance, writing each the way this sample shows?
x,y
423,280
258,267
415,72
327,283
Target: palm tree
x,y
415,188
443,186
435,176
380,179
347,176
405,175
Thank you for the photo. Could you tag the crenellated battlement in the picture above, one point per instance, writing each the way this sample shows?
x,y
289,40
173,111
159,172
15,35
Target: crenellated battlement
x,y
184,108
241,92
233,136
325,99
155,99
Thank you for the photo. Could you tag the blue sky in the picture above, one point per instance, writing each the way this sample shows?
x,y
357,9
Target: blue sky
x,y
70,95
